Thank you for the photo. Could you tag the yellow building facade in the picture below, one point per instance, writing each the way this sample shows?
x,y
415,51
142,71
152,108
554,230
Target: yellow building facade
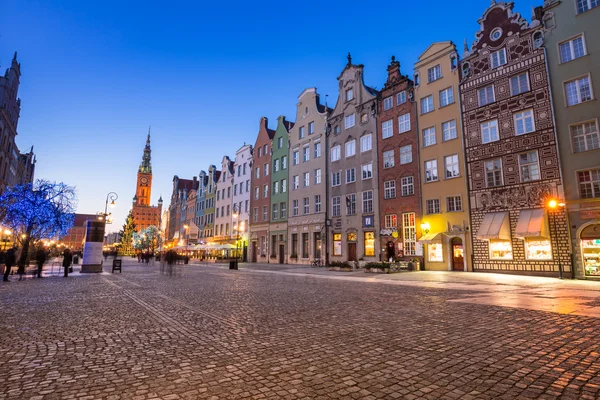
x,y
445,224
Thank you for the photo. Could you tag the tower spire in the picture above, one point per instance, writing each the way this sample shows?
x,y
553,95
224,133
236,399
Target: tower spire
x,y
145,165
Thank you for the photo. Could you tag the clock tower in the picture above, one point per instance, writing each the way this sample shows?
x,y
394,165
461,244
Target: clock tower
x,y
144,177
145,215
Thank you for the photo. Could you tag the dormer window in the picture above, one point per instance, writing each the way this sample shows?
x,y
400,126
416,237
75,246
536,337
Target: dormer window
x,y
498,58
417,79
453,62
349,94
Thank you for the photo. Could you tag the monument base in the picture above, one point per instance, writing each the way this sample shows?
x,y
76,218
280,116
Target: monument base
x,y
91,268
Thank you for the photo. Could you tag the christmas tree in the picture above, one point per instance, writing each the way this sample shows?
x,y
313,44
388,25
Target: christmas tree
x,y
126,248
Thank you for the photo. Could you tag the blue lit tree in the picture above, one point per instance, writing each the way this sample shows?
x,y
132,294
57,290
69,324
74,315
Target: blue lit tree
x,y
42,210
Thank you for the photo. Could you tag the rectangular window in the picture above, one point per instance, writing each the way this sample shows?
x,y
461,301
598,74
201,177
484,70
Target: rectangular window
x,y
351,175
519,84
305,154
295,208
434,73
401,97
589,183
367,203
276,165
489,131
265,191
305,245
336,178
260,152
426,104
524,122
283,210
317,203
451,166
317,176
295,157
311,128
388,103
388,159
584,5
453,203
367,171
279,142
350,148
295,182
529,166
349,94
317,148
389,189
266,172
284,162
500,250
275,210
255,214
295,244
486,95
390,221
276,188
256,193
349,121
432,206
585,136
306,180
265,213
429,136
335,153
301,133
493,172
578,91
409,233
366,143
408,186
283,185
404,123
387,129
337,244
572,49
446,97
369,244
431,172
498,58
449,130
336,209
351,204
406,154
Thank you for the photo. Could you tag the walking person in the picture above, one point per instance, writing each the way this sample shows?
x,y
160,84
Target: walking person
x,y
9,260
67,260
40,258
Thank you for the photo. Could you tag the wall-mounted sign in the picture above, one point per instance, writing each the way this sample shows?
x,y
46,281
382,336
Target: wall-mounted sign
x,y
368,220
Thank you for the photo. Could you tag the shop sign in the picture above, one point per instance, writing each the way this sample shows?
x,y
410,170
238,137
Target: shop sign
x,y
368,220
389,232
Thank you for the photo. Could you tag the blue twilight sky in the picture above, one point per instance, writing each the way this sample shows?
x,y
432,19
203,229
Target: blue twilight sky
x,y
95,75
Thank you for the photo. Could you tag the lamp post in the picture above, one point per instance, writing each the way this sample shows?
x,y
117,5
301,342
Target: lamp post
x,y
555,206
112,196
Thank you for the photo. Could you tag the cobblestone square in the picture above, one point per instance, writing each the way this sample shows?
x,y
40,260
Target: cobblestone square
x,y
283,333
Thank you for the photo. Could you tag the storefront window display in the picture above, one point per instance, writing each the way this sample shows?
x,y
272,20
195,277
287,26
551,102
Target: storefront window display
x,y
435,252
337,244
369,244
591,256
538,250
501,250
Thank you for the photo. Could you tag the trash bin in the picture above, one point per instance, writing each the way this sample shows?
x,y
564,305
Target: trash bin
x,y
186,260
233,264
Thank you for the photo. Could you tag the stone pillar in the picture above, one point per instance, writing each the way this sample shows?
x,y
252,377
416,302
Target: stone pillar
x,y
92,249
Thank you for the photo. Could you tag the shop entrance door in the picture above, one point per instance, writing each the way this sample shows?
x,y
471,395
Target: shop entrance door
x,y
281,255
458,255
351,251
254,250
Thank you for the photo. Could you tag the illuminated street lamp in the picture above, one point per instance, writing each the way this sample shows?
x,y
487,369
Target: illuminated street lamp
x,y
555,206
186,227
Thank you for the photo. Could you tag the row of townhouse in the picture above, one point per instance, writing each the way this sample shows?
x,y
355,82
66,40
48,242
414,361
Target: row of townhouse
x,y
455,166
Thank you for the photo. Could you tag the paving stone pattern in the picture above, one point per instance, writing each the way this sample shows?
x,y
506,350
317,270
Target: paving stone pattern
x,y
212,333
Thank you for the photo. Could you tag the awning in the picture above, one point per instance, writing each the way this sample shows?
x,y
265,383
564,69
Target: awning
x,y
494,226
430,237
532,224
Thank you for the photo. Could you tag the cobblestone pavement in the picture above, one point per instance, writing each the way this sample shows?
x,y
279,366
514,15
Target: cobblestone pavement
x,y
212,333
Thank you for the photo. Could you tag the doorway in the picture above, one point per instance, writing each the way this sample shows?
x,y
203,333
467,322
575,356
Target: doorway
x,y
458,254
254,251
351,251
281,253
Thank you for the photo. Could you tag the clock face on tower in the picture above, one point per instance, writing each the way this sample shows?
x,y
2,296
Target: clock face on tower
x,y
144,180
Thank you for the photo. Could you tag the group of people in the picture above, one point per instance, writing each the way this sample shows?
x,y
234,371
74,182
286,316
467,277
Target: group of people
x,y
145,257
41,255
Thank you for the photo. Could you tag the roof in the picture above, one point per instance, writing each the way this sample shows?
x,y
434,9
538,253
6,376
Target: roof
x,y
187,184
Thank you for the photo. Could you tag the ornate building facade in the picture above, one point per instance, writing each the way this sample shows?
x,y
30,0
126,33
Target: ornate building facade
x,y
352,166
223,205
444,227
398,167
573,51
260,196
306,187
145,215
241,199
511,150
178,209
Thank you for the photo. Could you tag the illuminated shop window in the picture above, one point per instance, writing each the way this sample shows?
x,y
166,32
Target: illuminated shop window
x,y
369,243
538,250
501,250
435,252
337,244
